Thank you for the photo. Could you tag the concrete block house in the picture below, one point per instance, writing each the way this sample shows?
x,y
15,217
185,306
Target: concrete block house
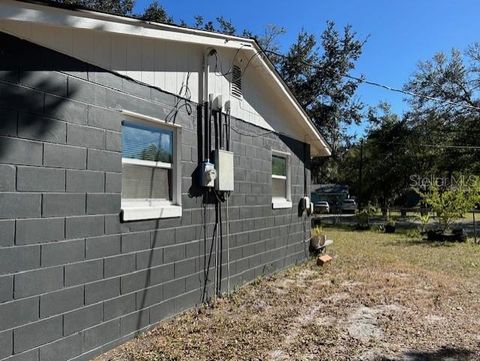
x,y
144,168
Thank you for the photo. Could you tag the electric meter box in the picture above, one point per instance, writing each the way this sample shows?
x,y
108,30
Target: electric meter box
x,y
224,166
209,174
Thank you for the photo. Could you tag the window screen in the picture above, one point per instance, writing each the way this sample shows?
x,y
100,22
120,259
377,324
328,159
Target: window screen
x,y
279,165
145,142
143,182
279,188
279,177
147,162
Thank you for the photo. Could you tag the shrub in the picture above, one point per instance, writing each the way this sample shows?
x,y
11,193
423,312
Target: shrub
x,y
424,219
363,217
452,203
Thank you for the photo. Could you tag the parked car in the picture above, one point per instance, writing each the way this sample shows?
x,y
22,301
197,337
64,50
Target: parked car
x,y
349,206
322,207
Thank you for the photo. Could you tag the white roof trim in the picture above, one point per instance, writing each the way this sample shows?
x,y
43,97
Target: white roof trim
x,y
91,20
84,19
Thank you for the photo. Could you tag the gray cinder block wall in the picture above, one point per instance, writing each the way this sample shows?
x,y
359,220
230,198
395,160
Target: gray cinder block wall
x,y
74,280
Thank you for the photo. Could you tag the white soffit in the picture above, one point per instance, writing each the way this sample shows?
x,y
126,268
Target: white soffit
x,y
23,11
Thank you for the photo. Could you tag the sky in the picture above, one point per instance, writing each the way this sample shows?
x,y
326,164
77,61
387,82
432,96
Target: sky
x,y
400,33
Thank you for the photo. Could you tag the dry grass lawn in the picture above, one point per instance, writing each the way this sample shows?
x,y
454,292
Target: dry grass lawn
x,y
383,297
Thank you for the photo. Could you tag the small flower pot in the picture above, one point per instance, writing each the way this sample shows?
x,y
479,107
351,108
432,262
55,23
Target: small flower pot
x,y
317,242
389,228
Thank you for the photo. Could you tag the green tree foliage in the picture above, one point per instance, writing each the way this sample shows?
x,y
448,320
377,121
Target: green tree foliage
x,y
201,24
387,158
268,41
226,26
315,71
454,80
155,154
451,203
428,139
118,7
453,117
156,13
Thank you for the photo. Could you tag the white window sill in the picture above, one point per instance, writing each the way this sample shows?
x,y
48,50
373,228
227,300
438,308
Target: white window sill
x,y
143,213
281,204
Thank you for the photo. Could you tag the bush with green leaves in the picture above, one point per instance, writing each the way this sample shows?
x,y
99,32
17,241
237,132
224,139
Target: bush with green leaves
x,y
423,219
364,215
452,203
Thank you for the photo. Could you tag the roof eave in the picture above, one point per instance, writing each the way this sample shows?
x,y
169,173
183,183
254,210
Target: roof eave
x,y
138,27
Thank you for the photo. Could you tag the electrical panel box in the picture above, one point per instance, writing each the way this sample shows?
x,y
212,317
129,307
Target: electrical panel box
x,y
224,164
209,174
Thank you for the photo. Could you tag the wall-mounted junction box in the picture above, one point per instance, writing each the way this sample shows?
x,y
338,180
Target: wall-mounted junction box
x,y
224,164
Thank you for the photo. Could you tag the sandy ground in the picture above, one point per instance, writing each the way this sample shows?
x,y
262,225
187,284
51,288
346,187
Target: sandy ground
x,y
383,297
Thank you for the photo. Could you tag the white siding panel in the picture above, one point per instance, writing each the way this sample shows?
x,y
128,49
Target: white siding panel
x,y
193,64
159,60
171,67
181,70
102,50
148,61
119,55
16,28
166,64
82,45
134,58
61,39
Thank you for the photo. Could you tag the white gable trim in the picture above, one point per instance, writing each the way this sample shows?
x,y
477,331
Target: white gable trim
x,y
83,19
90,20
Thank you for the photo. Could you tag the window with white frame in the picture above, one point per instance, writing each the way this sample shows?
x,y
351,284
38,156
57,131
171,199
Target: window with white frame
x,y
150,169
281,180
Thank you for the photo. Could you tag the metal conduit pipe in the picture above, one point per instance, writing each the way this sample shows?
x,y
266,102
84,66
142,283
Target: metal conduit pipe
x,y
206,101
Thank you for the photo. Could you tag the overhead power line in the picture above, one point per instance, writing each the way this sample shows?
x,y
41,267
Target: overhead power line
x,y
470,147
383,86
365,81
441,146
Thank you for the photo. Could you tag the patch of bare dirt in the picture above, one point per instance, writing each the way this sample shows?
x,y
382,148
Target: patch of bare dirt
x,y
372,306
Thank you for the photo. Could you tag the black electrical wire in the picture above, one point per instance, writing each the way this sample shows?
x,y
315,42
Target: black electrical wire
x,y
220,249
230,70
238,131
368,82
206,265
216,125
219,117
206,154
229,130
185,99
441,146
379,85
364,81
360,80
